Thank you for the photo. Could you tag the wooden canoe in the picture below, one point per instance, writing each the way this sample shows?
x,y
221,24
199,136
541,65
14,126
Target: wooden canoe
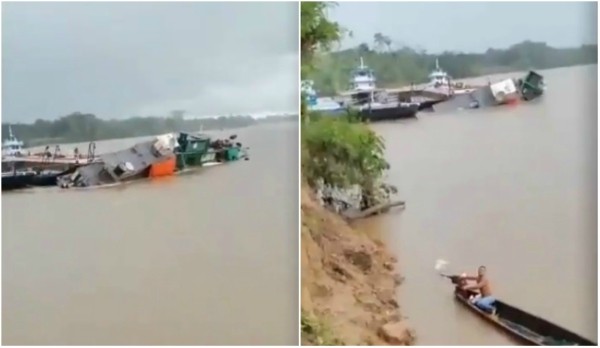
x,y
525,327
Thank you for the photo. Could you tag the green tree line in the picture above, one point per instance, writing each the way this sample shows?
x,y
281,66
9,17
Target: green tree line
x,y
404,65
337,153
81,127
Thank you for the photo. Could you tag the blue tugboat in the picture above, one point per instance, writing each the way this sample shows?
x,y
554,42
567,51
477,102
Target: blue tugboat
x,y
323,105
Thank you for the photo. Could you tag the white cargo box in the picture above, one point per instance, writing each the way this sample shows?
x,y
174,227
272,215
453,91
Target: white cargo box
x,y
503,90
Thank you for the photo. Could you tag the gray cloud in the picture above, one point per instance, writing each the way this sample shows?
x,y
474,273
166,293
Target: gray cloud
x,y
469,26
123,59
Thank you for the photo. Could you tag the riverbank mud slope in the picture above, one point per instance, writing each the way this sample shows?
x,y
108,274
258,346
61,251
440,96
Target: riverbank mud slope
x,y
348,283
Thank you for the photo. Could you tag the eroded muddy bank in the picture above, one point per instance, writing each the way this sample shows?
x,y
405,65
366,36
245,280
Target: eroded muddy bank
x,y
349,283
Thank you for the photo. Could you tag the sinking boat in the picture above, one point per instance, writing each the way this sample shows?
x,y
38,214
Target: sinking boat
x,y
504,92
527,88
164,155
49,177
507,91
532,86
522,326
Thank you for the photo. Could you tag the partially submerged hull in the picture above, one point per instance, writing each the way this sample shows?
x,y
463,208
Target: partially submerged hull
x,y
522,326
532,86
129,164
147,177
50,177
499,93
428,105
165,155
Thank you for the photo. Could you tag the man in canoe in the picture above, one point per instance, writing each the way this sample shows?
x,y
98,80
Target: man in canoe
x,y
486,300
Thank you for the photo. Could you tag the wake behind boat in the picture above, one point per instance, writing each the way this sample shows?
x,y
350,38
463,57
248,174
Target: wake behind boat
x,y
519,324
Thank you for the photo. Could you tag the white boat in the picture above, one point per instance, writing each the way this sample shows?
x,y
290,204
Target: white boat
x,y
441,82
362,78
12,146
438,77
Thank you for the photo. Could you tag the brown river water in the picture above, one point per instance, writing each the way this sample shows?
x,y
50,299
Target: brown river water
x,y
208,258
513,188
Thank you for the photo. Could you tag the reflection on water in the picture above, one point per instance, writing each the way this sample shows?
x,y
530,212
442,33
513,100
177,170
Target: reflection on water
x,y
513,188
209,258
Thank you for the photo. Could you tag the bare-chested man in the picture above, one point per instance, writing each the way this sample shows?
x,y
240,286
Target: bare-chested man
x,y
482,285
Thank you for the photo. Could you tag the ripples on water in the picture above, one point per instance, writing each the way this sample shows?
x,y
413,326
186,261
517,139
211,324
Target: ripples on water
x,y
209,258
514,188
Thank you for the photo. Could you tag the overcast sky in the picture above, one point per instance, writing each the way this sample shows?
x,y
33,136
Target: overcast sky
x,y
123,59
469,26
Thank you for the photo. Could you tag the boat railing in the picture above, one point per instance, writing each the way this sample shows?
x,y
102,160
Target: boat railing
x,y
91,151
56,156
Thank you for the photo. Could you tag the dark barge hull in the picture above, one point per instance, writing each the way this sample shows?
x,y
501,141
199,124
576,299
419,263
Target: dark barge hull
x,y
16,181
524,327
50,179
389,113
429,104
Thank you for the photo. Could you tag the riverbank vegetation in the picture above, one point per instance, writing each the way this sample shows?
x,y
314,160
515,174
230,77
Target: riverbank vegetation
x,y
395,65
81,127
348,278
337,153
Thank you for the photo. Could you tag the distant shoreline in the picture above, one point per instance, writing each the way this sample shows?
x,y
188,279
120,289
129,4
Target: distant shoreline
x,y
79,128
496,74
71,143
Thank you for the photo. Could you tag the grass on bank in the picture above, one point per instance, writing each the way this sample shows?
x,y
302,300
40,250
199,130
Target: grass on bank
x,y
317,332
342,153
